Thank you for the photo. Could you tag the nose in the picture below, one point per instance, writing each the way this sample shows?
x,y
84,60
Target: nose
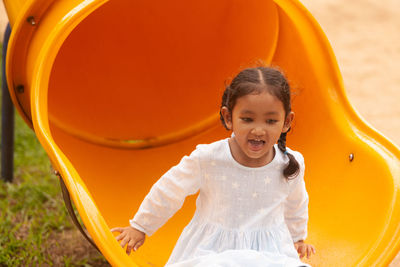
x,y
258,131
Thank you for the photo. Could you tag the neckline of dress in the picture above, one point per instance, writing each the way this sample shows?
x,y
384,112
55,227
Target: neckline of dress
x,y
273,162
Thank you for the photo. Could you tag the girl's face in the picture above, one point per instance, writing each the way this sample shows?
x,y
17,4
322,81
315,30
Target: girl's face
x,y
257,121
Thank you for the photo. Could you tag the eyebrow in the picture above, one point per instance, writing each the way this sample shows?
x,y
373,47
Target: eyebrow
x,y
251,112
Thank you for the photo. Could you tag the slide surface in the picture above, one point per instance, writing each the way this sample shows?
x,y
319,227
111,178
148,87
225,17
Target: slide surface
x,y
118,91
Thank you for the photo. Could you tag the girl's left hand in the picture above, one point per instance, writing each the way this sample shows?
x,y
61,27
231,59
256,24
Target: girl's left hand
x,y
303,249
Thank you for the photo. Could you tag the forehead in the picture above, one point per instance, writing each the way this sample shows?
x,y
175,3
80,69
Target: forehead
x,y
259,103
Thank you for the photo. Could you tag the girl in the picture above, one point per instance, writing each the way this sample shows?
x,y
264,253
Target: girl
x,y
252,209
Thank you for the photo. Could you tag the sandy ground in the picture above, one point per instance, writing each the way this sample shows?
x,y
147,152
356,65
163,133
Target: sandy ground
x,y
3,21
365,37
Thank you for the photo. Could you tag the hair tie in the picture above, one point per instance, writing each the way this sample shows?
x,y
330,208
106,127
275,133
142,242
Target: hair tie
x,y
285,152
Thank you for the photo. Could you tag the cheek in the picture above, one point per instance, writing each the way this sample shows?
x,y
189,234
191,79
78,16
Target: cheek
x,y
240,132
275,132
239,126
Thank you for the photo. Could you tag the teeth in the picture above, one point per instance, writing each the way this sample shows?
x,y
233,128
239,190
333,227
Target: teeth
x,y
257,140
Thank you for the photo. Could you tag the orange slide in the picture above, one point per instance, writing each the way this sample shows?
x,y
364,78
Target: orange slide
x,y
118,91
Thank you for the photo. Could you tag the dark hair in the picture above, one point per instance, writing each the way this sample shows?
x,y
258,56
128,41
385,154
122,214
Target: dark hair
x,y
257,80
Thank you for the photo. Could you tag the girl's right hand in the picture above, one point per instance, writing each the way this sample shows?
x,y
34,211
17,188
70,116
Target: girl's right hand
x,y
131,237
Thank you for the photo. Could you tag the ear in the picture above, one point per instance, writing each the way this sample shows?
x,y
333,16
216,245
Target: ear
x,y
288,122
227,117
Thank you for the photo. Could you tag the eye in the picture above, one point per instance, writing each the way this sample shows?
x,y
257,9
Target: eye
x,y
246,119
272,121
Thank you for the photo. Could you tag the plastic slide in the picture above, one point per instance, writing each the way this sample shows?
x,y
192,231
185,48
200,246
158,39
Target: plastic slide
x,y
118,91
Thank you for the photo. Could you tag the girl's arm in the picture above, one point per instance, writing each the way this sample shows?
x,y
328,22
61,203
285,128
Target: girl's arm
x,y
167,195
296,212
296,206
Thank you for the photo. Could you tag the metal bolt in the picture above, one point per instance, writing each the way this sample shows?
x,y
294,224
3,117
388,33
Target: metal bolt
x,y
351,157
20,88
31,20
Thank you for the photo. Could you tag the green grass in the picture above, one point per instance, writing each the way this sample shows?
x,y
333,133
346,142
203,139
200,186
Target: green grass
x,y
35,228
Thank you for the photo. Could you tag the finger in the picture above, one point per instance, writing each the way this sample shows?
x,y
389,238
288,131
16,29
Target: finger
x,y
138,245
129,247
302,252
308,252
124,241
116,229
313,250
298,250
121,236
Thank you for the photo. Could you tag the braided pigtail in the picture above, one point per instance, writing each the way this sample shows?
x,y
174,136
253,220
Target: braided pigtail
x,y
293,167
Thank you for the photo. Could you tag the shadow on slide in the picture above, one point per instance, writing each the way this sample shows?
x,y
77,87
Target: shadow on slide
x,y
118,91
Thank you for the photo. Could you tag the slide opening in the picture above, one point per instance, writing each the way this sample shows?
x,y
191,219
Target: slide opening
x,y
133,71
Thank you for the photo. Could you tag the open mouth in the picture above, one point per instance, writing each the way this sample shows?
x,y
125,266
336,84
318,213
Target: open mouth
x,y
256,144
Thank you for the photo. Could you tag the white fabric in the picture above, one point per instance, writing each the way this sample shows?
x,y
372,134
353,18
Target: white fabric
x,y
244,217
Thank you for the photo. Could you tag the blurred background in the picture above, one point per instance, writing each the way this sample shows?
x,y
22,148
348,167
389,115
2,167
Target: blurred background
x,y
364,34
3,20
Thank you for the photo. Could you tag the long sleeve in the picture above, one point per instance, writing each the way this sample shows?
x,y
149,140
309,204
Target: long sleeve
x,y
296,206
167,195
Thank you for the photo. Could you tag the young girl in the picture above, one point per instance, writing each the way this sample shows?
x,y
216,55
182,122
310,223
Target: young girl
x,y
252,209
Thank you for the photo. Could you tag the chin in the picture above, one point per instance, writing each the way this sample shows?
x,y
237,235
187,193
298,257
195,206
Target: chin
x,y
256,155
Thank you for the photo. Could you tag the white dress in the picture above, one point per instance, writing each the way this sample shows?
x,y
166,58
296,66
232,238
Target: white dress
x,y
244,216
